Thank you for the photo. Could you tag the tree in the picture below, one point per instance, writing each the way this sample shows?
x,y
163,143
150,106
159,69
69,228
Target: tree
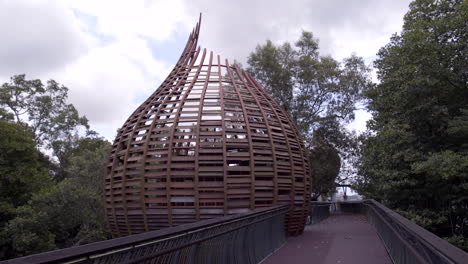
x,y
65,214
5,116
312,88
273,67
87,162
415,158
42,107
325,166
22,172
47,204
318,92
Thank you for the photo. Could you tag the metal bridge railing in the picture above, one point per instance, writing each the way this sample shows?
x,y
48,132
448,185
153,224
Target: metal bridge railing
x,y
245,238
405,241
318,211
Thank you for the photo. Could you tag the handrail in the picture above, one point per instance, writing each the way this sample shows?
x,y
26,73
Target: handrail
x,y
318,212
430,247
406,242
205,240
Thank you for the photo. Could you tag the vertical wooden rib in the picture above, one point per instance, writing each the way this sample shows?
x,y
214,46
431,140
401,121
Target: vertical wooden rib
x,y
171,141
223,124
306,194
199,120
186,57
139,113
179,75
248,135
111,190
270,136
291,160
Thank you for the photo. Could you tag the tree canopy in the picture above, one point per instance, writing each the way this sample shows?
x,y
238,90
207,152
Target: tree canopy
x,y
43,107
47,202
67,213
415,158
21,168
319,92
325,165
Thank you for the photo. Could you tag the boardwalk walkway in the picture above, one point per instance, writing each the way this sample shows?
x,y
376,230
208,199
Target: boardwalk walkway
x,y
341,238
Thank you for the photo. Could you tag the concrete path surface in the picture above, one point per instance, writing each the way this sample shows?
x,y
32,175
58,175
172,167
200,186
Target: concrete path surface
x,y
341,238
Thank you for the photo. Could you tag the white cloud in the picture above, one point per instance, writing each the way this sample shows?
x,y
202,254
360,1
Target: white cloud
x,y
37,37
234,28
105,82
127,19
101,49
96,48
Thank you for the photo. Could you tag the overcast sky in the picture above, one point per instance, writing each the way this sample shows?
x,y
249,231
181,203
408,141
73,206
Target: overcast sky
x,y
113,54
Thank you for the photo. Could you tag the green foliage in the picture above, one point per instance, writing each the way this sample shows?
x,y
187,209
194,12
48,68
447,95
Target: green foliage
x,y
67,213
460,241
21,171
46,204
312,88
87,162
42,107
318,92
5,115
415,158
272,67
325,165
27,234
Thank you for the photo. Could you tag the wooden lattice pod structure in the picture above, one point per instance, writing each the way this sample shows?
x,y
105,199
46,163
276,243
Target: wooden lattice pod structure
x,y
208,142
